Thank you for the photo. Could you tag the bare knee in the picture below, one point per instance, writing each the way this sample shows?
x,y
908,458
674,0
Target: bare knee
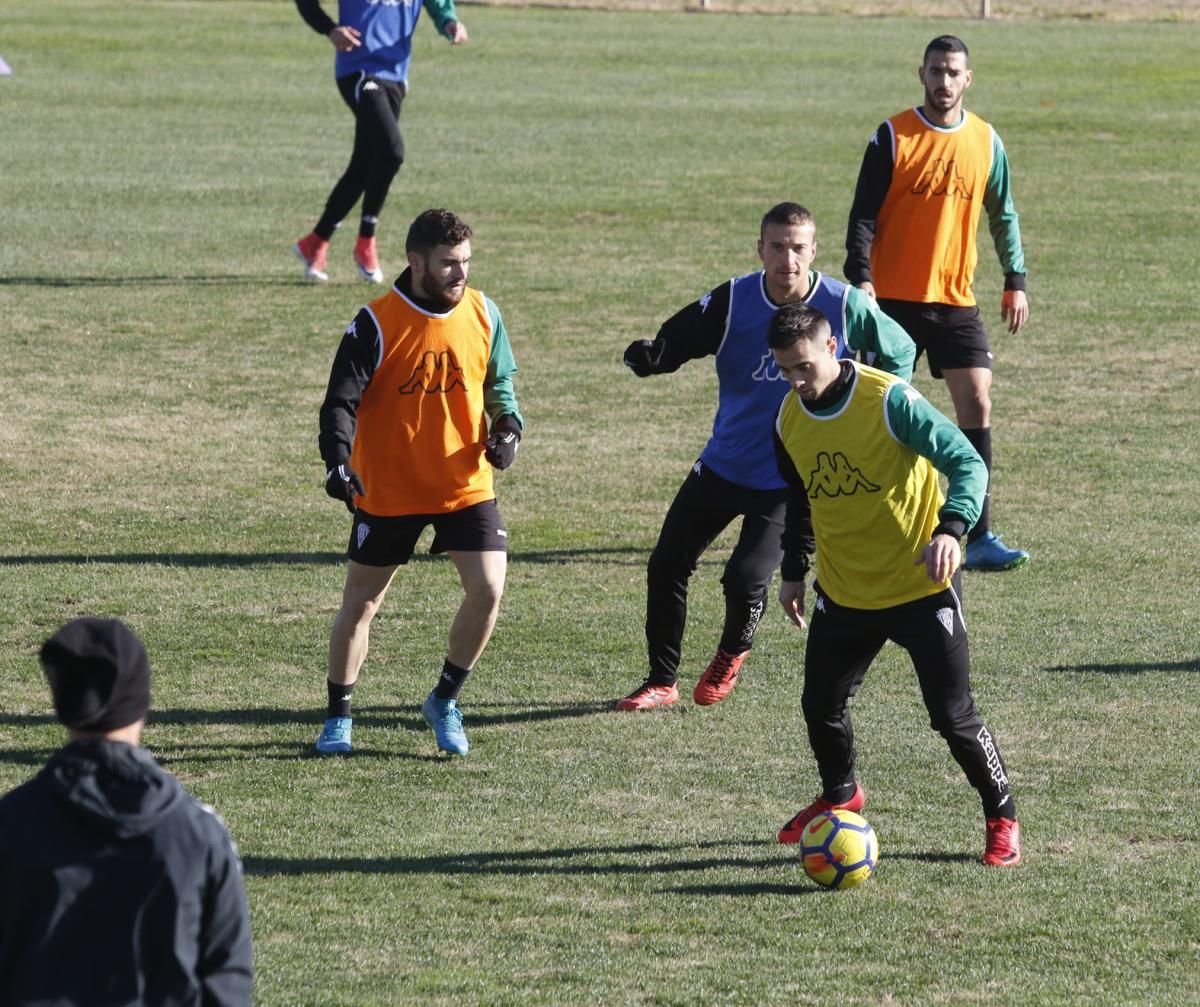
x,y
484,595
970,391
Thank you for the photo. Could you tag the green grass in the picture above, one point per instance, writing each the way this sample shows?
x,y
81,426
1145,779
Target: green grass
x,y
161,369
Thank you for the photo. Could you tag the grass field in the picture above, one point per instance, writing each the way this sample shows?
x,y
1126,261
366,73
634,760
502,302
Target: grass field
x,y
161,369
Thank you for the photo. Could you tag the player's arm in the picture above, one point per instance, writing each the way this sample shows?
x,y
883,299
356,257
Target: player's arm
x,y
874,179
445,20
499,397
224,964
694,332
870,330
343,37
357,358
1005,229
798,541
916,423
315,17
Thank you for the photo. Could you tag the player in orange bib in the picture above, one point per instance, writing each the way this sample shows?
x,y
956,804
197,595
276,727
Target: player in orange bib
x,y
420,409
926,177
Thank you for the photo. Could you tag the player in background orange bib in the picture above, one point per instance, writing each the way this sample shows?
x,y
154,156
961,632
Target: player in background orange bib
x,y
419,410
926,177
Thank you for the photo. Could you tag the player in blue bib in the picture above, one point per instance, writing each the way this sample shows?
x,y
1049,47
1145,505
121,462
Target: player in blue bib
x,y
737,475
373,39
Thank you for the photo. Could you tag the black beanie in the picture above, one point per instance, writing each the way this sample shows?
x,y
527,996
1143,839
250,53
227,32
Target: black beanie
x,y
99,674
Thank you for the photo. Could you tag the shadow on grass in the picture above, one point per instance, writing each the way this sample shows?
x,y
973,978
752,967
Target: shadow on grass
x,y
156,280
275,751
638,858
633,556
760,888
27,756
1129,668
306,722
185,559
934,858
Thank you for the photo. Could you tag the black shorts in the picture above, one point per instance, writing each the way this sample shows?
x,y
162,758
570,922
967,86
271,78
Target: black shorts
x,y
388,541
950,336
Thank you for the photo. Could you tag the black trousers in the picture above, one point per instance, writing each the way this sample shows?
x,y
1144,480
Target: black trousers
x,y
842,643
377,155
704,507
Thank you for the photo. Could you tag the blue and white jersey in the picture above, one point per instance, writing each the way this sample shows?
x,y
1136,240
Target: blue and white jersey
x,y
750,388
387,28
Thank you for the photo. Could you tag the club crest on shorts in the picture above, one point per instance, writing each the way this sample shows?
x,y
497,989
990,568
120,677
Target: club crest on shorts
x,y
361,532
946,617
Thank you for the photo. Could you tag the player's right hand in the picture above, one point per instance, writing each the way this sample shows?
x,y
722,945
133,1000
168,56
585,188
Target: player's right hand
x,y
642,357
342,483
345,38
791,597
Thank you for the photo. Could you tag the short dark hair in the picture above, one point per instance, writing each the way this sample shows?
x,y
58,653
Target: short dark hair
x,y
945,43
786,213
436,227
794,322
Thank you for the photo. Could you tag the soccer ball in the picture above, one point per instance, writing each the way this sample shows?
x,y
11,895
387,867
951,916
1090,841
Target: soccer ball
x,y
839,849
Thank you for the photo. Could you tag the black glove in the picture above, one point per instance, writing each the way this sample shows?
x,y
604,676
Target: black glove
x,y
501,446
642,356
342,483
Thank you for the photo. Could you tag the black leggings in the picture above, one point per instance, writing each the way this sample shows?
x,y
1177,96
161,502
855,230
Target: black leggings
x,y
377,155
705,506
842,643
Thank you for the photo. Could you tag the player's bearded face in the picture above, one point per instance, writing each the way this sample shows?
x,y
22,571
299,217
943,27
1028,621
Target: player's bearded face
x,y
946,78
443,278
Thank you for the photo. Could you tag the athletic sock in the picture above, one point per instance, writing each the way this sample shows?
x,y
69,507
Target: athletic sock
x,y
451,681
339,698
981,441
366,226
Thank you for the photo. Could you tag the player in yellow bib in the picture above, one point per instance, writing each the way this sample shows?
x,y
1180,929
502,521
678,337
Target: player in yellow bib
x,y
861,452
928,175
419,410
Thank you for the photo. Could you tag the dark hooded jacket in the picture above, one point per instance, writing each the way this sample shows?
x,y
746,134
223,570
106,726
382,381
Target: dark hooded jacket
x,y
118,887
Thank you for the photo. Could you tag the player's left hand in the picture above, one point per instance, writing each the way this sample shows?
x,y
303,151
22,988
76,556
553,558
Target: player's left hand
x,y
941,558
791,597
456,32
343,483
500,448
1014,309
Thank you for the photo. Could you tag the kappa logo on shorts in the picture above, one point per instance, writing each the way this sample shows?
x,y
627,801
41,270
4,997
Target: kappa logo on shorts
x,y
946,617
437,372
835,476
362,531
502,533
